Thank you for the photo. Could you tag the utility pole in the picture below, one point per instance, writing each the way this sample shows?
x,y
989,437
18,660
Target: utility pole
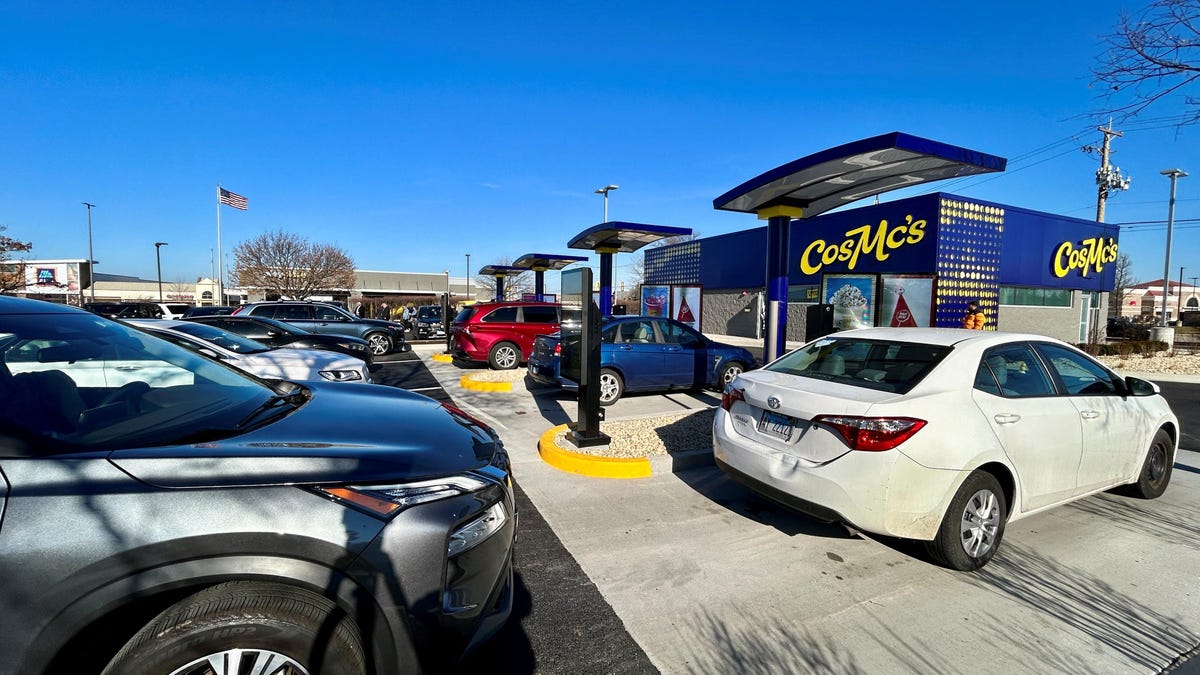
x,y
1108,178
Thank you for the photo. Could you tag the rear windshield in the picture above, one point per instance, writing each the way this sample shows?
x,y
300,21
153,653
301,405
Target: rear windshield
x,y
464,315
872,364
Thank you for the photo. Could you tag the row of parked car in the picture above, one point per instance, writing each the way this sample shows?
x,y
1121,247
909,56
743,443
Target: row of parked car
x,y
177,498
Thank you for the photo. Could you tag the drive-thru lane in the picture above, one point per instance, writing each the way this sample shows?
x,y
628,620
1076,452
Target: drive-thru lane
x,y
708,578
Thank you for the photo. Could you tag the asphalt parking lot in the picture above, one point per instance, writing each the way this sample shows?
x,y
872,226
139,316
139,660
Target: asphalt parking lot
x,y
688,573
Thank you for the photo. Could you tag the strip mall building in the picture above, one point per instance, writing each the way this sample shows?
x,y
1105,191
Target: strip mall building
x,y
910,262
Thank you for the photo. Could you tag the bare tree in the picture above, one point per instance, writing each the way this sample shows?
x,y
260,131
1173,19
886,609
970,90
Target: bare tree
x,y
181,290
12,274
1123,279
289,265
1151,56
515,285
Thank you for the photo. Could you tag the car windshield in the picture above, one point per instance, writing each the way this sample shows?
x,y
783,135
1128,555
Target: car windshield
x,y
429,312
222,338
78,382
873,364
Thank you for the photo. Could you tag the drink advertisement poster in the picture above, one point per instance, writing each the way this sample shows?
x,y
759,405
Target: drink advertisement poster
x,y
853,299
685,305
654,300
906,300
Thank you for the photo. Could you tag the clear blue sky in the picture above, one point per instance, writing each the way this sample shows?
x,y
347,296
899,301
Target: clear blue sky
x,y
412,134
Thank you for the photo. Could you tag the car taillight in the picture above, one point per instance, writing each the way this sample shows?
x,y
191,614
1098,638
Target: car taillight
x,y
730,395
871,434
558,349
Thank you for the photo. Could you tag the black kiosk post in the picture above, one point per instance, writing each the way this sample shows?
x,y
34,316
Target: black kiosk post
x,y
581,356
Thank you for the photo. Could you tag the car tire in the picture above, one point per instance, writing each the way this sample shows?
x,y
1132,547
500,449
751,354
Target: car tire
x,y
380,343
271,624
1156,468
973,525
730,371
611,386
504,356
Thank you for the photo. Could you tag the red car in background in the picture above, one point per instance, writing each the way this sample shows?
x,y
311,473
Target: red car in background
x,y
502,333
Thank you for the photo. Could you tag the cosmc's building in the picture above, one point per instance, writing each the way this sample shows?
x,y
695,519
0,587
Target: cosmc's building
x,y
911,262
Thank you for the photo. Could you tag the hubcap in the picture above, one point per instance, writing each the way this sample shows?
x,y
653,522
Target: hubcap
x,y
608,388
506,357
379,344
243,662
980,522
730,373
1158,463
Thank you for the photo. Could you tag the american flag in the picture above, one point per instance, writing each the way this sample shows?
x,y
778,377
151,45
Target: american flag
x,y
233,199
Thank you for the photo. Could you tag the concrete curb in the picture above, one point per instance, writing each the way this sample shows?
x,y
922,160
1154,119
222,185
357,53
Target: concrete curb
x,y
468,382
589,465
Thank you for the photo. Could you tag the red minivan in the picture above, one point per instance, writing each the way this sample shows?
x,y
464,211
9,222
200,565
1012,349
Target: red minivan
x,y
502,333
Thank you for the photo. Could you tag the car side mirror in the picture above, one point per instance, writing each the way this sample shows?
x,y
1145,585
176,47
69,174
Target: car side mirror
x,y
1140,387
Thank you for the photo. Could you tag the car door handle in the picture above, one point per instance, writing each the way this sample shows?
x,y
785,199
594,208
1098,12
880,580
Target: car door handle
x,y
1007,419
670,349
1089,414
626,348
127,369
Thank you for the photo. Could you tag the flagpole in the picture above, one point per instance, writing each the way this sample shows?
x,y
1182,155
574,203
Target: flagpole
x,y
220,272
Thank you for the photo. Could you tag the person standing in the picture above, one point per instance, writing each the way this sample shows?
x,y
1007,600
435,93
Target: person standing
x,y
359,310
384,313
974,318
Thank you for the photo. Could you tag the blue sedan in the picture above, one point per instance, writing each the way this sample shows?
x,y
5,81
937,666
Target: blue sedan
x,y
641,353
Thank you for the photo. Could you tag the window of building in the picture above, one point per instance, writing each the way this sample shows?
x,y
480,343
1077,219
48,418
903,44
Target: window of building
x,y
1035,297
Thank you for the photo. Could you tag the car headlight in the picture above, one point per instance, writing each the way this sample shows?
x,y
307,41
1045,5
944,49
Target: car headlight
x,y
388,500
341,375
477,530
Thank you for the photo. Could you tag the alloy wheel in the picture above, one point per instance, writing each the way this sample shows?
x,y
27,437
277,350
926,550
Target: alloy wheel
x,y
980,523
243,662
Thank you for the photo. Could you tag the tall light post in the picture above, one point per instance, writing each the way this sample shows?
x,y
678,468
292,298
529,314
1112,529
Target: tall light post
x,y
1179,304
604,191
158,259
468,277
1175,175
91,257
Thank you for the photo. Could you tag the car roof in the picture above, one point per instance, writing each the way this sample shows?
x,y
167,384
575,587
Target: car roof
x,y
13,305
941,336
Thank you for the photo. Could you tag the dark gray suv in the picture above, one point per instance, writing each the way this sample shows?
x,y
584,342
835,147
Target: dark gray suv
x,y
319,317
165,513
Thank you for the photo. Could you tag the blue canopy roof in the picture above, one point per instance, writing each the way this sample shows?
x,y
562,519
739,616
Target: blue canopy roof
x,y
501,270
624,237
548,261
838,176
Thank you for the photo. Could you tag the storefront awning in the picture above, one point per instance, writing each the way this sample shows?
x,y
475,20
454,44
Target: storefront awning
x,y
865,168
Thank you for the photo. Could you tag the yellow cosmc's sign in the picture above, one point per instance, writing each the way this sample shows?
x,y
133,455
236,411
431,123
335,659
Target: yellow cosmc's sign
x,y
1092,255
862,241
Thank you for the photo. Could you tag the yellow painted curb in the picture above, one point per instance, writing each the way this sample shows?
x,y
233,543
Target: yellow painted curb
x,y
443,358
589,465
466,382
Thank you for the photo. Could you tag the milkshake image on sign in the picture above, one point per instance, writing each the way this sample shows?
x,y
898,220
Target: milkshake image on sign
x,y
849,308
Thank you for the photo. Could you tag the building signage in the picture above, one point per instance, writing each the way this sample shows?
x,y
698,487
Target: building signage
x,y
879,240
1091,255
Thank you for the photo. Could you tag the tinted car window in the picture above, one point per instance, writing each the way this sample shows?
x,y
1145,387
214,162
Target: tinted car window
x,y
678,334
540,315
291,313
1018,371
1078,374
464,315
326,313
502,315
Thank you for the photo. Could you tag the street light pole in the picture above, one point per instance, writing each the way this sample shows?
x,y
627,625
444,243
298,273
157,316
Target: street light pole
x,y
1179,305
1175,175
91,257
468,277
158,259
604,191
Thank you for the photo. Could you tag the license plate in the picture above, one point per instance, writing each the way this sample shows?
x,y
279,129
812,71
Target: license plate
x,y
774,424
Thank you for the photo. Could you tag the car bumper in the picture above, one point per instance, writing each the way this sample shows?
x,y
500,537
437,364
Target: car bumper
x,y
880,492
547,375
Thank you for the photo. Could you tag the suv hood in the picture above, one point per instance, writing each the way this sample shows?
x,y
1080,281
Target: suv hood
x,y
369,434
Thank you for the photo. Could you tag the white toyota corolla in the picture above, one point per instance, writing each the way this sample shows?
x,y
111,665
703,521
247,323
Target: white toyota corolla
x,y
940,434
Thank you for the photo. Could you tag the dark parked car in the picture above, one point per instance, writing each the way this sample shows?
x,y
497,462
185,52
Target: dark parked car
x,y
642,353
279,334
208,310
429,322
319,317
1125,327
138,310
163,512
